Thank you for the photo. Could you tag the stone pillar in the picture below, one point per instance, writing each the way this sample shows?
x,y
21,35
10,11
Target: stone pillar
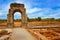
x,y
24,19
10,22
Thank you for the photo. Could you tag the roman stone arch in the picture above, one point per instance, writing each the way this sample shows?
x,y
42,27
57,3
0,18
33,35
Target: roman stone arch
x,y
16,7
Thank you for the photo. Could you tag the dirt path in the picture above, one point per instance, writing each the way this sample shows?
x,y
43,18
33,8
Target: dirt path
x,y
21,34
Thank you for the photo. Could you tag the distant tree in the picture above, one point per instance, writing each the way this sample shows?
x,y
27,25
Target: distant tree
x,y
58,19
4,20
17,19
28,19
52,19
39,18
34,19
49,19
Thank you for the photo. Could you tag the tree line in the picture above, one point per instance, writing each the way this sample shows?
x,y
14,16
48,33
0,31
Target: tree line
x,y
35,19
45,19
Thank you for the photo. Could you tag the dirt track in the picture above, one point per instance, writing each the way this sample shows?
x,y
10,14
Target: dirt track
x,y
21,34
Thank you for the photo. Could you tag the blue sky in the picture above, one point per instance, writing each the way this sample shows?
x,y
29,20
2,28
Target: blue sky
x,y
34,8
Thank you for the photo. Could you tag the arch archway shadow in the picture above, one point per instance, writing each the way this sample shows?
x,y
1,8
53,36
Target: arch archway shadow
x,y
16,7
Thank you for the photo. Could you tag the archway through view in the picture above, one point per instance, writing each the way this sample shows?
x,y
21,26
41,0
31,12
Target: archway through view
x,y
17,19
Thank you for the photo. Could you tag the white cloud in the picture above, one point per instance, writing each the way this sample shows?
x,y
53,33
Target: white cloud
x,y
17,13
44,12
53,14
33,10
0,13
26,3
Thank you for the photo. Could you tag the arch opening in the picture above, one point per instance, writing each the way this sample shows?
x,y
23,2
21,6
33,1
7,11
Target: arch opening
x,y
17,19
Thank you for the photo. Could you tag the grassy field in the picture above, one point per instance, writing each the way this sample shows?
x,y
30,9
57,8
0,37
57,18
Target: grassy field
x,y
34,23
